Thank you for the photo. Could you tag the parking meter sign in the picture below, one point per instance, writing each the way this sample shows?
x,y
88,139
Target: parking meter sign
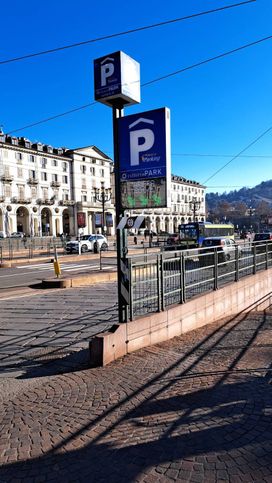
x,y
144,154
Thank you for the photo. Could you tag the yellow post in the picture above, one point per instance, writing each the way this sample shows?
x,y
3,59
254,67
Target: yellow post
x,y
57,264
57,268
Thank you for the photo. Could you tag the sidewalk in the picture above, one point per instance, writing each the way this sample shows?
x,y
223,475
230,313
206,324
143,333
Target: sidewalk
x,y
197,408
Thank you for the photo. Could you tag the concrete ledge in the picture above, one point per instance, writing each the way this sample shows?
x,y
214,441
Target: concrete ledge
x,y
5,265
80,281
251,293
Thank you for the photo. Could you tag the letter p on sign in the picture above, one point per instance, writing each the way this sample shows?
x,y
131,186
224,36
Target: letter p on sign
x,y
147,138
106,71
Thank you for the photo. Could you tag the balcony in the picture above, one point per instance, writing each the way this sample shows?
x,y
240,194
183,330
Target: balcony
x,y
55,184
66,202
6,178
14,199
48,201
32,181
23,201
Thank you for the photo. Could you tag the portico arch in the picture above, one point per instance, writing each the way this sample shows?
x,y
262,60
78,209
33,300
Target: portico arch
x,y
46,218
22,220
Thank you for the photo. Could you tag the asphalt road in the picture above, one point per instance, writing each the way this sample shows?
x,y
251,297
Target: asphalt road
x,y
30,274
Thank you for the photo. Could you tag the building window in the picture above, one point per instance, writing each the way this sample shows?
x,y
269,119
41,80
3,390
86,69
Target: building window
x,y
44,176
20,172
83,198
32,174
83,169
5,154
33,192
54,177
65,195
21,191
7,191
65,179
54,162
102,173
19,156
45,193
92,170
43,162
64,167
32,158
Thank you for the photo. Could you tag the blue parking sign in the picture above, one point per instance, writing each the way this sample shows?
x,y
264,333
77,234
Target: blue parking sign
x,y
144,145
144,159
117,79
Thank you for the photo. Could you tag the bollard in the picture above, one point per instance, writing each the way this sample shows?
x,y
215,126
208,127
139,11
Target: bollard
x,y
57,264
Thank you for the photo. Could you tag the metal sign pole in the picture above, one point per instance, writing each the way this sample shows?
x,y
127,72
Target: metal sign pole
x,y
121,238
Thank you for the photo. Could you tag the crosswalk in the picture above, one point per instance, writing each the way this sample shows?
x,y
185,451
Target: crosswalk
x,y
67,267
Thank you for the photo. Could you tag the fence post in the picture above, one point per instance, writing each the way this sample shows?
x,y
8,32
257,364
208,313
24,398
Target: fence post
x,y
266,256
215,287
159,282
162,283
131,307
254,260
236,264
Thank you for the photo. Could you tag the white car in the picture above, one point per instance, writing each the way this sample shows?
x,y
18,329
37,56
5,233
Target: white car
x,y
87,244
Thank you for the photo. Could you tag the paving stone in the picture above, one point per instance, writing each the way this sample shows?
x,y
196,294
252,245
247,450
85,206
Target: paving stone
x,y
179,411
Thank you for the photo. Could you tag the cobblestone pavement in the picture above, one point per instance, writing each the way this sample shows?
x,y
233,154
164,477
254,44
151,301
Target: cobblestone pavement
x,y
195,409
52,325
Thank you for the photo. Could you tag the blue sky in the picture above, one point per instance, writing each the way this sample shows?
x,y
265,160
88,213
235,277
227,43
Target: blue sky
x,y
216,109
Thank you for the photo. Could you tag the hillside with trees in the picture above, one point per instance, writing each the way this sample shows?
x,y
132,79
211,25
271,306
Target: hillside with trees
x,y
249,208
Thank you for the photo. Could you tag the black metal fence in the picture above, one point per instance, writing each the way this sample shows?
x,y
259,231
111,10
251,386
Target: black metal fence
x,y
160,280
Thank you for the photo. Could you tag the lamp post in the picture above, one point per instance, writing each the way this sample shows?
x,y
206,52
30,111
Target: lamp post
x,y
102,195
194,207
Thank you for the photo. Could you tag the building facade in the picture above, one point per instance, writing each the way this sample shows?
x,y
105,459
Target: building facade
x,y
50,191
47,191
187,205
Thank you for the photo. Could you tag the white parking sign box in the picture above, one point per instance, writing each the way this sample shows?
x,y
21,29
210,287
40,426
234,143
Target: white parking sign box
x,y
144,156
117,78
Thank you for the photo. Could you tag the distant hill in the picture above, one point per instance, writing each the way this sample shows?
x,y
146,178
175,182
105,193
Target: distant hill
x,y
250,196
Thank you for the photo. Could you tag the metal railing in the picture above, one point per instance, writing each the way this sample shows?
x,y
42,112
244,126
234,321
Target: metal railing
x,y
160,280
28,248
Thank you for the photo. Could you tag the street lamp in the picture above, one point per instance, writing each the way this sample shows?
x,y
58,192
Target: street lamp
x,y
102,195
194,207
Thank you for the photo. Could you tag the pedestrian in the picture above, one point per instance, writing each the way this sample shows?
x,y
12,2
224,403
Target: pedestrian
x,y
135,240
145,234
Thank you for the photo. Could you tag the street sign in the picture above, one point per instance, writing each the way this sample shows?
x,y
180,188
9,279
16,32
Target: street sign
x,y
131,222
144,155
117,78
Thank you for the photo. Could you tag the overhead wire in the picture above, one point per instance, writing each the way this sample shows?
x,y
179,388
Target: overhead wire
x,y
125,32
206,61
237,155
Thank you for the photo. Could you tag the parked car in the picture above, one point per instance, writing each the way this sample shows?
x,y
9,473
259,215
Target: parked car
x,y
262,239
225,248
86,244
17,234
173,239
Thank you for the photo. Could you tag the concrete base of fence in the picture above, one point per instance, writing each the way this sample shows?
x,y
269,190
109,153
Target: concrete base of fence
x,y
250,293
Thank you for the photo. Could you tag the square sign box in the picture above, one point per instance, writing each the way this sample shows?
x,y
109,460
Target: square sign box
x,y
117,79
144,159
